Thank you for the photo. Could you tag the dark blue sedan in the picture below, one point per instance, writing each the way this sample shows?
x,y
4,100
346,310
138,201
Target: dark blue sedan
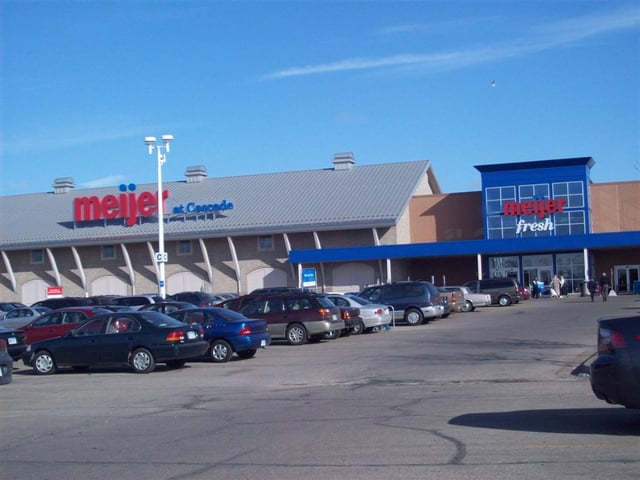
x,y
227,332
135,339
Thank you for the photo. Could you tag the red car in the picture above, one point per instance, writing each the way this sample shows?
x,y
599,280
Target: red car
x,y
58,322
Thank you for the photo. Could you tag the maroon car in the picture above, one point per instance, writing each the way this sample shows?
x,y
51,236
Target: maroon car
x,y
58,322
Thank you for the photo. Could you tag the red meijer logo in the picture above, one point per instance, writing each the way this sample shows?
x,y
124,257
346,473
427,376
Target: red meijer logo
x,y
128,205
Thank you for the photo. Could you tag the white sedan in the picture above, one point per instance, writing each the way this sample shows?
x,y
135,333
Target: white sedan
x,y
373,316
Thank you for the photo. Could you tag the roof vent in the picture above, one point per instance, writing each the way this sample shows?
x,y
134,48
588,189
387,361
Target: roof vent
x,y
63,185
196,173
343,161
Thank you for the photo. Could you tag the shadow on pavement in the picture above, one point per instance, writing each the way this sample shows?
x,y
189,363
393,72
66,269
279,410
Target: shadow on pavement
x,y
607,420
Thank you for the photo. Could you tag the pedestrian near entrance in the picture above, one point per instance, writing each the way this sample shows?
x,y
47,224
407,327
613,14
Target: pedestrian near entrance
x,y
555,286
592,286
605,286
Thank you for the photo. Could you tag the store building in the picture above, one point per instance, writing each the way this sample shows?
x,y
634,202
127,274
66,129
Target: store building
x,y
338,228
532,220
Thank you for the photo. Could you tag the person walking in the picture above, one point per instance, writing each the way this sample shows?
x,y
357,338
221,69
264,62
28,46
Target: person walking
x,y
555,285
605,286
592,286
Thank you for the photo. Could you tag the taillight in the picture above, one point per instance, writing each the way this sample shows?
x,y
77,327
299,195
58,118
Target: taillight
x,y
325,312
245,331
378,311
609,340
175,336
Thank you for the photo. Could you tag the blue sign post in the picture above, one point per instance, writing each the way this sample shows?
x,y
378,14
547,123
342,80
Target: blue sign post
x,y
308,277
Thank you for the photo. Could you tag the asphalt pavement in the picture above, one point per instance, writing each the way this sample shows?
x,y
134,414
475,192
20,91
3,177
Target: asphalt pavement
x,y
482,395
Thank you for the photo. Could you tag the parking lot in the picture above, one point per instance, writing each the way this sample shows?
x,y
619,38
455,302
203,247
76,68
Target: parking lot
x,y
481,395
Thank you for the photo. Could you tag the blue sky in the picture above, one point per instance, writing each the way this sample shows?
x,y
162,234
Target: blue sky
x,y
260,87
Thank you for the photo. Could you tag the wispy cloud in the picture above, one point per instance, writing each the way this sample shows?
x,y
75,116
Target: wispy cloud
x,y
104,181
543,37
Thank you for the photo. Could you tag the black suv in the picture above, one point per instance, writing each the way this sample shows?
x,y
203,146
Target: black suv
x,y
296,317
503,291
413,302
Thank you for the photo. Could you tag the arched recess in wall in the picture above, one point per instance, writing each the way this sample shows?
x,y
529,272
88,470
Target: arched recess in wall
x,y
266,277
185,282
33,291
352,277
109,285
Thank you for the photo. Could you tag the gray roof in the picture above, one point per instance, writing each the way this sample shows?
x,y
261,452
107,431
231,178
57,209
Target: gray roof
x,y
326,199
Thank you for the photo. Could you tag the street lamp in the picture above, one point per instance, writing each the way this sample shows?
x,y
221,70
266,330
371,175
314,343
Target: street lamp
x,y
161,255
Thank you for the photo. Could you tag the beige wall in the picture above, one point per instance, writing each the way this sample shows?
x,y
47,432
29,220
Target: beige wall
x,y
446,217
615,207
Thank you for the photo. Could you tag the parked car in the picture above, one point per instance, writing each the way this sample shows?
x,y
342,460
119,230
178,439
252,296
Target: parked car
x,y
62,302
372,315
6,307
165,307
454,298
262,291
351,317
615,373
15,341
413,301
503,291
197,299
296,317
139,340
6,364
58,322
136,301
19,317
471,300
237,303
227,332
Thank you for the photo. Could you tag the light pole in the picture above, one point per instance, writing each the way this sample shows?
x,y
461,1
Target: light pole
x,y
161,255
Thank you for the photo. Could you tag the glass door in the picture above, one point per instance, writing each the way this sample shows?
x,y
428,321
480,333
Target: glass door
x,y
624,276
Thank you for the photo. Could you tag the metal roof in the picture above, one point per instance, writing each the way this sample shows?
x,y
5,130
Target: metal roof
x,y
364,196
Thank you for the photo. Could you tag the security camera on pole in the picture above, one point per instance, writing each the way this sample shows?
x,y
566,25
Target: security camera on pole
x,y
161,255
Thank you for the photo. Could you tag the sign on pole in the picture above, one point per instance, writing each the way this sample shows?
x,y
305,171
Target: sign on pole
x,y
308,277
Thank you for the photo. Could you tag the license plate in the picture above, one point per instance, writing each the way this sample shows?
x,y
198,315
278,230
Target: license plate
x,y
191,335
263,343
12,340
334,317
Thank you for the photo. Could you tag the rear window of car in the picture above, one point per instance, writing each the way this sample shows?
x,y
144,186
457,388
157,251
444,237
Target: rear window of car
x,y
325,302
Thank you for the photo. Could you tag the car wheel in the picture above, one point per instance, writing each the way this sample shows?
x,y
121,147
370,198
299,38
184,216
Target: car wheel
x,y
358,328
413,316
467,307
43,363
176,363
220,351
247,353
504,301
296,334
142,361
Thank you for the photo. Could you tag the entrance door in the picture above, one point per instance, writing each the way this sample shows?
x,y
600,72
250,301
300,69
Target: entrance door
x,y
624,276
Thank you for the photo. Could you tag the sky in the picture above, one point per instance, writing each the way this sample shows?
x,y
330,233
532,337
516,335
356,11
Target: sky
x,y
253,87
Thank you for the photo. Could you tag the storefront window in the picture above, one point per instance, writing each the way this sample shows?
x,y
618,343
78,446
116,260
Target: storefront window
x,y
504,267
570,266
531,192
501,227
496,196
572,192
570,223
